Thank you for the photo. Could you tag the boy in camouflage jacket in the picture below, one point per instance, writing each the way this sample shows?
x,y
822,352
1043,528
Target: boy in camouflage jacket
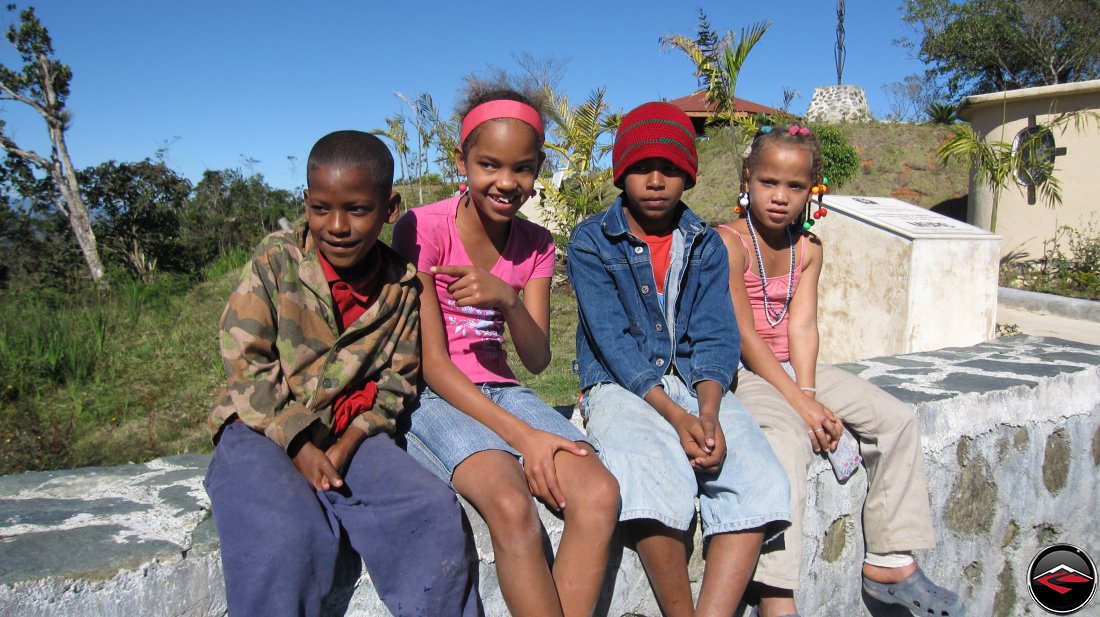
x,y
320,342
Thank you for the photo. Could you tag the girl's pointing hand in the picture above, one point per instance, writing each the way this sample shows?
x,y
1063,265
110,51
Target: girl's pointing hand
x,y
476,287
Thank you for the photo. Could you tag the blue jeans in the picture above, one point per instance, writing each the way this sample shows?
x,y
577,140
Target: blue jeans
x,y
658,482
280,539
441,436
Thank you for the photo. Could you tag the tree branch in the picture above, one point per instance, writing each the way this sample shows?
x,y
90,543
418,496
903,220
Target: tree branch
x,y
27,155
12,95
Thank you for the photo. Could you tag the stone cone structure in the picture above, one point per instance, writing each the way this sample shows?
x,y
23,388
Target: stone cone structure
x,y
833,104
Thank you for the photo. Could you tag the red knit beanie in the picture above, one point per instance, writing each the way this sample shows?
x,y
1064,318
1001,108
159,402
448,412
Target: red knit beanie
x,y
655,130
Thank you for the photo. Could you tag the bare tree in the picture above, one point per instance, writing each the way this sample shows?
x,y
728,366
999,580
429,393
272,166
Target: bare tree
x,y
540,73
43,85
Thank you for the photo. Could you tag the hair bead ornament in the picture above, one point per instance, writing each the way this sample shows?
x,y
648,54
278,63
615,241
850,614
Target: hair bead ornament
x,y
742,203
817,191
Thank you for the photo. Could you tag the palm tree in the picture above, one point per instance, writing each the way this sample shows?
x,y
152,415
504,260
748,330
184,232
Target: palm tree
x,y
441,133
577,141
395,132
1028,160
718,66
421,158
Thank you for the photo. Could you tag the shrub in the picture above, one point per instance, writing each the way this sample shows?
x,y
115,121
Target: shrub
x,y
840,158
941,113
1070,265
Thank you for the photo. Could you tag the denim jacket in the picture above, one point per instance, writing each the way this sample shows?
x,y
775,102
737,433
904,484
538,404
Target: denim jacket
x,y
624,335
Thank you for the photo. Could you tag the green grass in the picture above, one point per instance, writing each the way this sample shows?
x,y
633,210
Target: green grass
x,y
899,160
410,193
557,385
719,178
146,369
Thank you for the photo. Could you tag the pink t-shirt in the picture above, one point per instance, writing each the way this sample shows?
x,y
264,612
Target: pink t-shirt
x,y
427,236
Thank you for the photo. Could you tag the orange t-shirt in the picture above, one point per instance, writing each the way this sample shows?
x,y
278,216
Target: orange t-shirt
x,y
660,252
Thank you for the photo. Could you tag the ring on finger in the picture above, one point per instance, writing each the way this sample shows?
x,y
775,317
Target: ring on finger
x,y
819,430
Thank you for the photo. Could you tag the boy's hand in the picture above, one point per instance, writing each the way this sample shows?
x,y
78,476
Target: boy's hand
x,y
476,287
823,428
538,449
340,452
317,468
693,437
715,439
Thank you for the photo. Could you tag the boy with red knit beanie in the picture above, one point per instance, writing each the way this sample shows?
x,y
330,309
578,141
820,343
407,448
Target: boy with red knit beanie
x,y
657,348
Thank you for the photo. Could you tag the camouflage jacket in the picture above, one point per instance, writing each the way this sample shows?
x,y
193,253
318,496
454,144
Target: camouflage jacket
x,y
283,354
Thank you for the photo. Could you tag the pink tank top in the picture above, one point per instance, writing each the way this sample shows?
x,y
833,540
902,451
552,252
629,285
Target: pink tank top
x,y
774,336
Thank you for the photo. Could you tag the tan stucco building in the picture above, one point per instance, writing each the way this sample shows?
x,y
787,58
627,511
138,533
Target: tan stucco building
x,y
1006,116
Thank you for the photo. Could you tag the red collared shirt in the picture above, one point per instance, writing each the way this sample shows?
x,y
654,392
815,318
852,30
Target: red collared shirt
x,y
352,298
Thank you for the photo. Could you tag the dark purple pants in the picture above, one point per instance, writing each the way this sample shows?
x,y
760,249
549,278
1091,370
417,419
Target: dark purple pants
x,y
280,539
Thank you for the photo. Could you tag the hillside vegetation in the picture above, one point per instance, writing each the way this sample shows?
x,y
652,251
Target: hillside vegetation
x,y
896,160
130,376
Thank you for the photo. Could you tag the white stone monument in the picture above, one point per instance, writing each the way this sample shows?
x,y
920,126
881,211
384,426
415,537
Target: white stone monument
x,y
900,279
836,104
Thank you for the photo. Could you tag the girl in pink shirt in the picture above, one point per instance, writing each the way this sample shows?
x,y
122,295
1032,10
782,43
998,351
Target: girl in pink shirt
x,y
482,268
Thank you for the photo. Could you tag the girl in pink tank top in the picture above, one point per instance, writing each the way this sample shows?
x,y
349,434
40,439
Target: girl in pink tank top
x,y
775,263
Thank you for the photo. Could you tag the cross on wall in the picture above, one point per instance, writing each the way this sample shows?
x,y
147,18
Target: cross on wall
x,y
1044,151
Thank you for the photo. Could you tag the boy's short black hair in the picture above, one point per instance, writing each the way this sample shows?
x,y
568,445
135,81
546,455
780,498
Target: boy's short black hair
x,y
354,149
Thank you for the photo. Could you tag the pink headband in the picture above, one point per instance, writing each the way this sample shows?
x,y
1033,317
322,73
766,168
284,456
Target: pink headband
x,y
500,108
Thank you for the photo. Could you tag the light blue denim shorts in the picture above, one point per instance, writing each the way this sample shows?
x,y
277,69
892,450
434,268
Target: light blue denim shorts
x,y
657,481
441,436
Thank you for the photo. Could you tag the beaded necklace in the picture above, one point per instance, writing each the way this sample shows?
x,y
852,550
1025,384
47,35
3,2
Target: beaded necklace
x,y
774,317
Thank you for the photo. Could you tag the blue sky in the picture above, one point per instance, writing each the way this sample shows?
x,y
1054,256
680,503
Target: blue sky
x,y
225,83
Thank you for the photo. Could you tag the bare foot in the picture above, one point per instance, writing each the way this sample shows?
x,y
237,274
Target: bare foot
x,y
879,574
776,602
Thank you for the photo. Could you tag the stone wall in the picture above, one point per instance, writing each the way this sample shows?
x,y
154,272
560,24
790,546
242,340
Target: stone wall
x,y
1011,435
834,104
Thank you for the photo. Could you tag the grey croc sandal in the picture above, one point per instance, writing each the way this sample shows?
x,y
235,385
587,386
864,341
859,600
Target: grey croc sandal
x,y
918,594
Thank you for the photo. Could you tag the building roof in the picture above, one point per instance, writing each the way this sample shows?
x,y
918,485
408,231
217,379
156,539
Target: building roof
x,y
969,105
696,106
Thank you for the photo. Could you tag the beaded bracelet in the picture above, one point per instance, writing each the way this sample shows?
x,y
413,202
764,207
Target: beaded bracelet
x,y
808,389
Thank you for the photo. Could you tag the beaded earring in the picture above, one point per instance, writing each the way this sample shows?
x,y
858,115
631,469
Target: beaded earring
x,y
742,203
817,191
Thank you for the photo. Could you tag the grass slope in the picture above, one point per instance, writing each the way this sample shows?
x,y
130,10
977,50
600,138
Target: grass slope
x,y
896,160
